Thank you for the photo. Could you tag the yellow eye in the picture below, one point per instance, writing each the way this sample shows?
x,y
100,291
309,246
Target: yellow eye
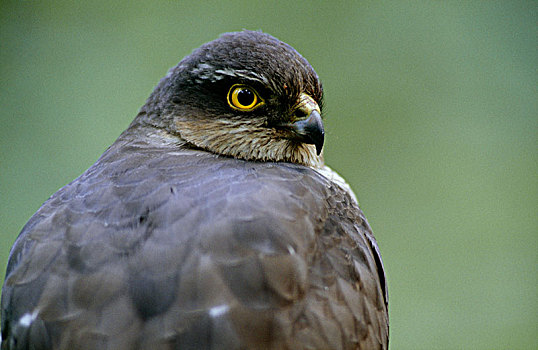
x,y
243,98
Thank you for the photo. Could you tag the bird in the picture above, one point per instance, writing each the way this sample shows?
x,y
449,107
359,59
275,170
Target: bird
x,y
212,222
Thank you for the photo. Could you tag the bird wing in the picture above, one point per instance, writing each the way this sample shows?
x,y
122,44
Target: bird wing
x,y
163,248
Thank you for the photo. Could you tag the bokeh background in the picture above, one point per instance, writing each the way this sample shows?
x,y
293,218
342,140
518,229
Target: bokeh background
x,y
431,115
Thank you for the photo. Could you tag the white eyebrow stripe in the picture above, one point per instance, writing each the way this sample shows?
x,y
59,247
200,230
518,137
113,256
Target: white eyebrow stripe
x,y
243,74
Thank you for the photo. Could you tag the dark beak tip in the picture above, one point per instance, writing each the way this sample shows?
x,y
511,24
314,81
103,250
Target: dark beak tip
x,y
316,130
311,131
319,147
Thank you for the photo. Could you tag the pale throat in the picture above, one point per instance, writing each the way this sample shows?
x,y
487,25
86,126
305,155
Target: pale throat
x,y
247,140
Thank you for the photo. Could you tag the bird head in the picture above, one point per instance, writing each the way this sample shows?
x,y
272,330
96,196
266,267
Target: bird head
x,y
246,95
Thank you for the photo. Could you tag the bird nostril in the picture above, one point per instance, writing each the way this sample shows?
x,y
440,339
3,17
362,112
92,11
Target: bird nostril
x,y
300,114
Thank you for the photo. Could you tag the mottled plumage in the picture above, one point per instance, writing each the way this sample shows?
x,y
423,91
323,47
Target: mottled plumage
x,y
204,226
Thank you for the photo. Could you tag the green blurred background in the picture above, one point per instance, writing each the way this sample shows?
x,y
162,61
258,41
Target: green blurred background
x,y
431,115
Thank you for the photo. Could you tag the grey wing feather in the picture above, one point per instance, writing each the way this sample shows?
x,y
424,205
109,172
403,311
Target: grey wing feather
x,y
176,250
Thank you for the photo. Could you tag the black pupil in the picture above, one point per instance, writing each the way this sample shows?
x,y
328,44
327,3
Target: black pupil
x,y
245,97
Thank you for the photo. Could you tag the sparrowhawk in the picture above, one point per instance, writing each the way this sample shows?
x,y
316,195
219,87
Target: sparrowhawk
x,y
210,223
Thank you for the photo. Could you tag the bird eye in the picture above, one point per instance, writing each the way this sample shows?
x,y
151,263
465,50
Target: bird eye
x,y
243,98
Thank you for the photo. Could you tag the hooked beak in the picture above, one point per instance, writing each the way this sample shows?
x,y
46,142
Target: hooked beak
x,y
309,129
